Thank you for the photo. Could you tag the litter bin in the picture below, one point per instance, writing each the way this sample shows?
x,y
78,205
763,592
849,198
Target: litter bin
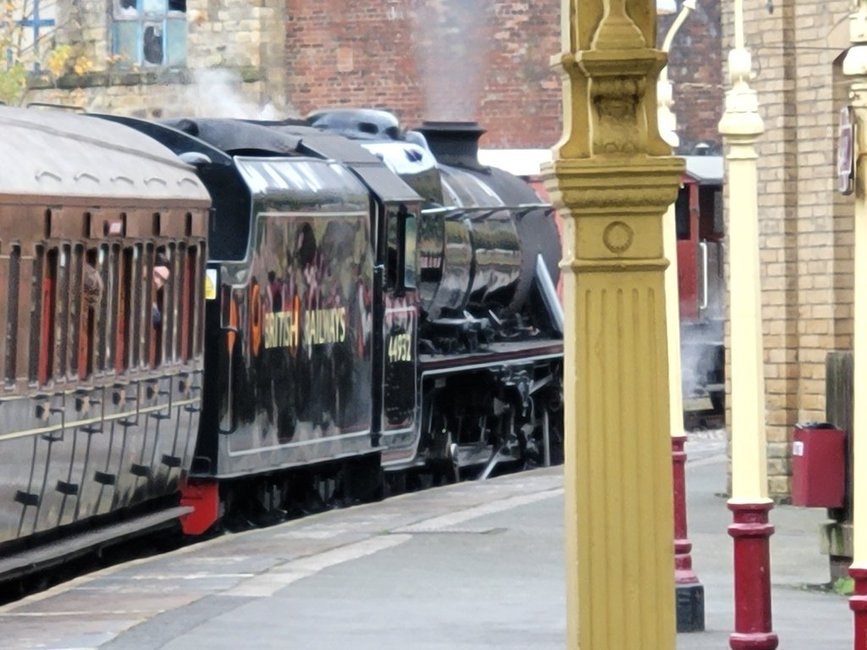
x,y
818,465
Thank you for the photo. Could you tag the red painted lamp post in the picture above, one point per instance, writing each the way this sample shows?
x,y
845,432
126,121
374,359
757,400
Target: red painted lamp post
x,y
741,126
689,591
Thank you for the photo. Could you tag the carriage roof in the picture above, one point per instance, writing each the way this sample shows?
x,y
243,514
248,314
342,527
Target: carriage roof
x,y
58,153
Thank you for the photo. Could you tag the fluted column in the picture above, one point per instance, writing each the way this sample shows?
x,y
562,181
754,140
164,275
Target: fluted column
x,y
612,179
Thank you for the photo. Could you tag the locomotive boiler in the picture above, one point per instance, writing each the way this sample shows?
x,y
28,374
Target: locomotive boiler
x,y
263,318
490,321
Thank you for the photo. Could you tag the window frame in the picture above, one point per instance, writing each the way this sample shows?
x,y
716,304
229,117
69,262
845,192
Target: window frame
x,y
143,15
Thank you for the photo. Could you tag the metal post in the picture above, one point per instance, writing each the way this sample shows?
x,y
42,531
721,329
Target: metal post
x,y
612,177
855,66
741,126
689,591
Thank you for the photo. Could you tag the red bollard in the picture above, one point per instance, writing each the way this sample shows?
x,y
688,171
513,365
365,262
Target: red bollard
x,y
858,604
752,563
689,591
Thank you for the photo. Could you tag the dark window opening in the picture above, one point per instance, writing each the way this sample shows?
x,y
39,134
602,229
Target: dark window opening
x,y
160,292
153,44
137,320
391,244
42,350
124,313
63,309
681,213
149,32
103,267
201,258
189,300
91,307
77,305
12,314
409,252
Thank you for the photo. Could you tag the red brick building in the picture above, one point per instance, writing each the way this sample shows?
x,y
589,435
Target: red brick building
x,y
470,60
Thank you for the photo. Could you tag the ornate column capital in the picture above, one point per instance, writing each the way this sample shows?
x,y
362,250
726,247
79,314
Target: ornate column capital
x,y
616,205
609,74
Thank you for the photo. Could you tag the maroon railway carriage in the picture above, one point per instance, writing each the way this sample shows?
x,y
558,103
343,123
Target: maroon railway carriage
x,y
102,254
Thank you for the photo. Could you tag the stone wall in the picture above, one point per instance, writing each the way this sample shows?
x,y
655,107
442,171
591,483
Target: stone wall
x,y
234,64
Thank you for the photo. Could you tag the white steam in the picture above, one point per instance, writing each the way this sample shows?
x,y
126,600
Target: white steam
x,y
219,93
451,51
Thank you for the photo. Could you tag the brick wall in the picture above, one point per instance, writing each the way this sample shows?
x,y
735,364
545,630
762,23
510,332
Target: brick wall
x,y
695,65
437,60
805,228
463,59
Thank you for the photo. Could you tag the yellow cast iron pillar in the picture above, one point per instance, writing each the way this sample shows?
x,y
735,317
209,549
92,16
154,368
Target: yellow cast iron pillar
x,y
612,178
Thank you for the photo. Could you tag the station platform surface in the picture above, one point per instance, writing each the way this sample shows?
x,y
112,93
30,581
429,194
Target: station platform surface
x,y
467,566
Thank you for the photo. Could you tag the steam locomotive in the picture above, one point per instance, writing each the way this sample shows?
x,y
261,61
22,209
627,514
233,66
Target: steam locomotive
x,y
207,319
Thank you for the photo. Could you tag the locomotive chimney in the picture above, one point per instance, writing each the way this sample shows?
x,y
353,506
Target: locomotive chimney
x,y
454,143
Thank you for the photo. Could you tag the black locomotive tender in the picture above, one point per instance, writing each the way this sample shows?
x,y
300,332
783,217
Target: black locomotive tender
x,y
206,318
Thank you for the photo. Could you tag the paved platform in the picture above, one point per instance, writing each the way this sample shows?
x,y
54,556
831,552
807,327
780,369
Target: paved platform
x,y
469,566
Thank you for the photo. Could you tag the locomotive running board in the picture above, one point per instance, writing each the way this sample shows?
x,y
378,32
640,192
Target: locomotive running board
x,y
45,555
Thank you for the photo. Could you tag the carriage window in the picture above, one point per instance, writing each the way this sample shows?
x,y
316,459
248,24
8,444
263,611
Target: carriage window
x,y
40,324
124,313
55,316
62,312
103,315
161,316
76,306
188,286
137,327
91,307
198,298
12,313
172,292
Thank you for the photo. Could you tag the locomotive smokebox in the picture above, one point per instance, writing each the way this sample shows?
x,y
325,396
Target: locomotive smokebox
x,y
454,143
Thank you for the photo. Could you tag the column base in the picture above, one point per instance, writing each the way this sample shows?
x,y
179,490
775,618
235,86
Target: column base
x,y
751,534
690,607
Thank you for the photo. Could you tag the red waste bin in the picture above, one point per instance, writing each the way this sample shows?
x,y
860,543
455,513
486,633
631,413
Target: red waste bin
x,y
818,465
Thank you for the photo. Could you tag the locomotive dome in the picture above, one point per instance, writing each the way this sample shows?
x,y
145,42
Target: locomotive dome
x,y
58,151
356,123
